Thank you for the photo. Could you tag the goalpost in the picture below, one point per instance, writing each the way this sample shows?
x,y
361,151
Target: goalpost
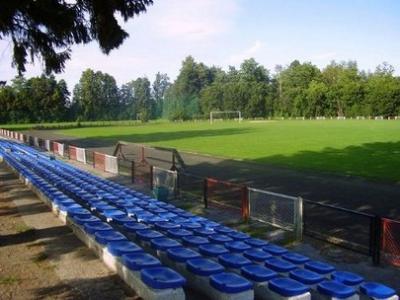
x,y
225,114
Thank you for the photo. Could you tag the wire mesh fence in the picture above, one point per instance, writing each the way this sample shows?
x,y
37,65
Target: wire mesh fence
x,y
190,187
165,178
89,157
142,174
340,226
228,195
278,210
125,167
390,247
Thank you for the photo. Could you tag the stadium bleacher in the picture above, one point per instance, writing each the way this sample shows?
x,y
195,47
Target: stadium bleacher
x,y
158,249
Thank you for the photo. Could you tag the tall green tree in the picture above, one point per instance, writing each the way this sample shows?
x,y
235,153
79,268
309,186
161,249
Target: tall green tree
x,y
144,101
96,96
160,85
48,29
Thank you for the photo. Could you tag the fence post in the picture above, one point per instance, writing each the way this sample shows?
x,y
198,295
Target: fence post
x,y
298,219
376,238
245,203
142,159
133,171
151,177
173,167
205,192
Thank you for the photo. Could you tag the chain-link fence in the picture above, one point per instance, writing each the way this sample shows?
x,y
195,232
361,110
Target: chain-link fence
x,y
340,226
165,178
190,187
227,195
142,174
390,248
278,210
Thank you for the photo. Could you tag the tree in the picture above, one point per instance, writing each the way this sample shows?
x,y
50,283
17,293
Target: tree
x,y
96,96
160,85
127,101
382,92
345,88
142,95
182,99
293,83
47,29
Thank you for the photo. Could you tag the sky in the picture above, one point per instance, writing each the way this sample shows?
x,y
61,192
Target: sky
x,y
225,32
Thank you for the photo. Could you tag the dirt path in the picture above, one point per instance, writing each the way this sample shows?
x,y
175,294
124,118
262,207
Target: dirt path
x,y
42,259
344,191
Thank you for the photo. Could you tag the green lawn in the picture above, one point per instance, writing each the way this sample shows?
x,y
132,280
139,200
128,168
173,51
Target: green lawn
x,y
363,148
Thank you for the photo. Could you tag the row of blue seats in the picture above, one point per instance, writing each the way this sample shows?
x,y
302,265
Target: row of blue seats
x,y
163,227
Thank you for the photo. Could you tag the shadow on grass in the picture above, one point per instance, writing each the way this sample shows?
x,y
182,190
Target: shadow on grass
x,y
104,141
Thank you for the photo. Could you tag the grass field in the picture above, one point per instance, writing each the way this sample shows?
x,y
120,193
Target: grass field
x,y
363,148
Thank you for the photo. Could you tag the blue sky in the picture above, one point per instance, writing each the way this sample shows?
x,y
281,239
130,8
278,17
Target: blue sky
x,y
224,32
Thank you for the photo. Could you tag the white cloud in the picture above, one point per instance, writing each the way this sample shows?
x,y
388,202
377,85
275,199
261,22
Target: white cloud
x,y
193,19
246,53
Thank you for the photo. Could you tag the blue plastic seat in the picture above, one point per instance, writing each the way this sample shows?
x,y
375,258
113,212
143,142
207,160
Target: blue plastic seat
x,y
233,260
223,229
179,220
306,276
377,290
154,219
181,254
194,241
144,215
203,266
77,211
256,255
209,224
85,219
102,207
134,226
166,225
220,238
168,215
162,278
178,233
287,287
148,234
190,225
197,219
124,247
157,210
164,243
256,243
336,289
140,260
203,232
92,227
319,267
230,283
238,236
279,265
111,213
258,273
212,250
347,278
121,219
104,237
132,211
274,249
237,246
295,258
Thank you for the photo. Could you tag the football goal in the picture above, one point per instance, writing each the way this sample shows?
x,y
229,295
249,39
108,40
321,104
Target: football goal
x,y
235,115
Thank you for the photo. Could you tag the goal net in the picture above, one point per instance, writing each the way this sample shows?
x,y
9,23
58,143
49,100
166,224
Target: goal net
x,y
235,115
